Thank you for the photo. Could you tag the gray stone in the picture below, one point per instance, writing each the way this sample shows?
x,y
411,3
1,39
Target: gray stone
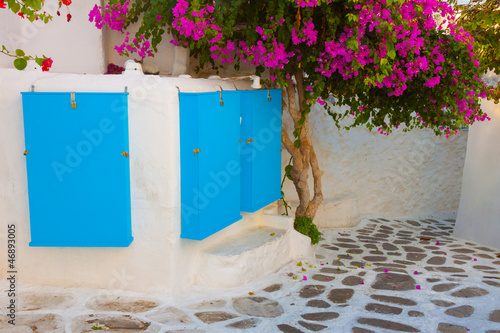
x,y
462,250
483,248
444,287
320,316
288,329
396,282
483,268
337,263
347,245
413,249
323,278
169,315
386,324
492,283
414,313
34,301
274,287
346,240
340,295
389,247
463,311
449,328
483,255
311,326
361,330
495,316
352,281
470,292
493,331
375,258
210,317
442,303
449,269
382,308
393,299
207,305
415,256
436,260
461,257
332,270
121,304
432,280
245,323
258,307
119,323
310,291
317,303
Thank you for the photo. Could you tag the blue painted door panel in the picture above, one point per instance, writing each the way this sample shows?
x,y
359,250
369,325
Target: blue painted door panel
x,y
260,158
78,179
210,180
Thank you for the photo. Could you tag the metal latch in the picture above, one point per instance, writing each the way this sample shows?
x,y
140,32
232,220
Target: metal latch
x,y
125,153
196,151
73,101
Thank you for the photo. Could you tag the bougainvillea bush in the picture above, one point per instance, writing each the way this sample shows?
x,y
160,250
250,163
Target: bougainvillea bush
x,y
31,10
389,63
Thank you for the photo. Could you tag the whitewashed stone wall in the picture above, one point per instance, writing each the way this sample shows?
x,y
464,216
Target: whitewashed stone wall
x,y
414,173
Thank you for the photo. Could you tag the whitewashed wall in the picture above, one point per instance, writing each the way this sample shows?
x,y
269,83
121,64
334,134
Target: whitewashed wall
x,y
478,216
403,174
158,259
75,47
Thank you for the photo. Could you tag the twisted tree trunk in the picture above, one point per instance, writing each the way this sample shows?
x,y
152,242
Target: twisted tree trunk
x,y
304,156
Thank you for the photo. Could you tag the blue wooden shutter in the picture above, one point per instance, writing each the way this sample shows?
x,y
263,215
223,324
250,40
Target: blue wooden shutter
x,y
260,148
78,169
210,178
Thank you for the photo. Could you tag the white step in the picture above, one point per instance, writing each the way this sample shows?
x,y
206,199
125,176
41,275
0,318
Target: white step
x,y
252,253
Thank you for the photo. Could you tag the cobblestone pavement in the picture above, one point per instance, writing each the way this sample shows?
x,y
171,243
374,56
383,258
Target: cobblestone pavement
x,y
386,275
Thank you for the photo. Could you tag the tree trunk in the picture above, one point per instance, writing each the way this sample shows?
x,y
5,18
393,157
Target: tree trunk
x,y
304,156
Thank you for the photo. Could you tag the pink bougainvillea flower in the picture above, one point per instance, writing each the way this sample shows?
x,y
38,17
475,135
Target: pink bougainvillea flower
x,y
305,278
416,272
46,64
66,2
437,243
2,4
386,270
475,259
417,287
158,18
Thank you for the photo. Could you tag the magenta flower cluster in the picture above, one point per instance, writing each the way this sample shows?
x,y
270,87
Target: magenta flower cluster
x,y
114,16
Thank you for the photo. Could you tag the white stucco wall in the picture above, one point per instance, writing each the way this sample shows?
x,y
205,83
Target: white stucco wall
x,y
414,173
478,216
158,259
75,47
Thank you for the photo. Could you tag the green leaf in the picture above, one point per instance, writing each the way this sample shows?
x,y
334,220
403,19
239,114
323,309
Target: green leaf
x,y
20,53
288,168
20,64
15,7
391,51
296,143
39,61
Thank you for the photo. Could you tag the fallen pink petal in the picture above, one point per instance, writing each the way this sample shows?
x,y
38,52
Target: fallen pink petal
x,y
418,287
